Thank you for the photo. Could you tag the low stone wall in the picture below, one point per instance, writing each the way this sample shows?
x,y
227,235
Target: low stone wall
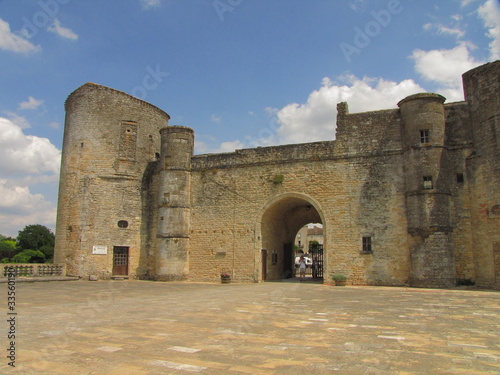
x,y
33,269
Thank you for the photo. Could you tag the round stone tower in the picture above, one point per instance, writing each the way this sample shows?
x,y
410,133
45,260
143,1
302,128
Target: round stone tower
x,y
482,94
111,144
427,190
174,206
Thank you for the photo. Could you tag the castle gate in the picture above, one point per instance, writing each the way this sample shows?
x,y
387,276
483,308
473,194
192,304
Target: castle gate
x,y
282,218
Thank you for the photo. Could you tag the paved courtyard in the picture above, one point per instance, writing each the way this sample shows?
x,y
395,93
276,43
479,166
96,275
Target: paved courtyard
x,y
141,327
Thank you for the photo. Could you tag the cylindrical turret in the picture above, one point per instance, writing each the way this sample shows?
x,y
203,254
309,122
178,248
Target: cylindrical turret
x,y
174,206
427,190
110,140
482,94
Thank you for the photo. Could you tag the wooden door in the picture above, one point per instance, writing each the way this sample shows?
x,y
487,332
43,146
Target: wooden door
x,y
120,260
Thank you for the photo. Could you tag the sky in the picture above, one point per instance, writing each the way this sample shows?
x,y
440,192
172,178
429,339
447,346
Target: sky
x,y
241,73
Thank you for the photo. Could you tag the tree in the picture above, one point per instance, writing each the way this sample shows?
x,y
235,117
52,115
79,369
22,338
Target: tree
x,y
35,237
48,251
313,244
28,256
7,247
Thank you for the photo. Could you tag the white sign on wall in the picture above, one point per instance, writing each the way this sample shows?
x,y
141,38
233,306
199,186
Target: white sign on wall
x,y
99,250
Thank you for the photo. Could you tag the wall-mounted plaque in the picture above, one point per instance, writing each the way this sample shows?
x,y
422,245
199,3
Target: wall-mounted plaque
x,y
99,250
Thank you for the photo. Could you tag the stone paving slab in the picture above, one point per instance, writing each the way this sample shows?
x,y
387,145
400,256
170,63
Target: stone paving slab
x,y
143,327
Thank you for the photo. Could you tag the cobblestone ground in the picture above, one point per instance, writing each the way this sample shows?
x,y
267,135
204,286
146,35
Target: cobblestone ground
x,y
141,327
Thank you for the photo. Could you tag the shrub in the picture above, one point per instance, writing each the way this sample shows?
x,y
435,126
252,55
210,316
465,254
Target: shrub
x,y
28,256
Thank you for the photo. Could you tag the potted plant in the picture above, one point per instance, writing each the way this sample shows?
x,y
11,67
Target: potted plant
x,y
225,278
339,279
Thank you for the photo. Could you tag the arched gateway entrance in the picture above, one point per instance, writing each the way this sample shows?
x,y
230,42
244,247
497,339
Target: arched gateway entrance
x,y
281,219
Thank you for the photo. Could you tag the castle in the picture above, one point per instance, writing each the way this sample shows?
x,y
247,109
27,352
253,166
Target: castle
x,y
406,196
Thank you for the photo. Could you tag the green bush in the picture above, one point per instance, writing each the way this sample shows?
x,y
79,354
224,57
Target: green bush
x,y
339,277
28,256
278,179
7,248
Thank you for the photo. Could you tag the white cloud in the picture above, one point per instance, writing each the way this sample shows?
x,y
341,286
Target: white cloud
x,y
25,154
18,120
19,207
31,103
445,30
18,199
148,4
489,12
215,118
62,31
15,43
451,27
445,67
25,161
204,148
456,32
316,119
230,146
465,3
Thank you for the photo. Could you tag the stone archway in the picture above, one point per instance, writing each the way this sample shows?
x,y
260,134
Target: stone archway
x,y
280,220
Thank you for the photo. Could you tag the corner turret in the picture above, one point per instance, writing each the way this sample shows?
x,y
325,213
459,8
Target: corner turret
x,y
174,206
427,190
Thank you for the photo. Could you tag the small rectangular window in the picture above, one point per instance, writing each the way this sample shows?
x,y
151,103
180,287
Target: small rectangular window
x,y
460,178
424,136
427,182
128,140
367,244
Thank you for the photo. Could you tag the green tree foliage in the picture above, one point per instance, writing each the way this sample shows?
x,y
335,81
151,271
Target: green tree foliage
x,y
35,237
48,251
7,247
28,256
313,244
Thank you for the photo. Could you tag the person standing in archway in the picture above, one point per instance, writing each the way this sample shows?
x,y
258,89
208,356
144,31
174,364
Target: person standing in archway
x,y
302,268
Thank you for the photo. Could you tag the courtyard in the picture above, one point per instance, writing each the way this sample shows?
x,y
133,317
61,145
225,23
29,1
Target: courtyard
x,y
144,327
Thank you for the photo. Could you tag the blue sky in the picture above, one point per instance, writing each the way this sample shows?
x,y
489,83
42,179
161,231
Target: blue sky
x,y
241,73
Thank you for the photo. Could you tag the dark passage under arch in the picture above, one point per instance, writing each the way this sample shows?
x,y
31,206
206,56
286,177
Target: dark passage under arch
x,y
279,225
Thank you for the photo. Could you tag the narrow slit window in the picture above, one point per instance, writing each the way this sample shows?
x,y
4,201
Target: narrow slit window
x,y
460,178
367,244
424,136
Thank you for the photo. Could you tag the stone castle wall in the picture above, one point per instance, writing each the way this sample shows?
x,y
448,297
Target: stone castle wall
x,y
358,194
193,217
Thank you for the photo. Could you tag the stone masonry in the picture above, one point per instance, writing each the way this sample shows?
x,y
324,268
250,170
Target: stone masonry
x,y
420,182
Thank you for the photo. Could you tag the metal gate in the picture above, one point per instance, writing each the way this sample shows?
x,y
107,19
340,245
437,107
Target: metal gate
x,y
317,258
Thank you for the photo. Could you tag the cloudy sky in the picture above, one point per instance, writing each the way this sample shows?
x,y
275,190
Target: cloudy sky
x,y
242,73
